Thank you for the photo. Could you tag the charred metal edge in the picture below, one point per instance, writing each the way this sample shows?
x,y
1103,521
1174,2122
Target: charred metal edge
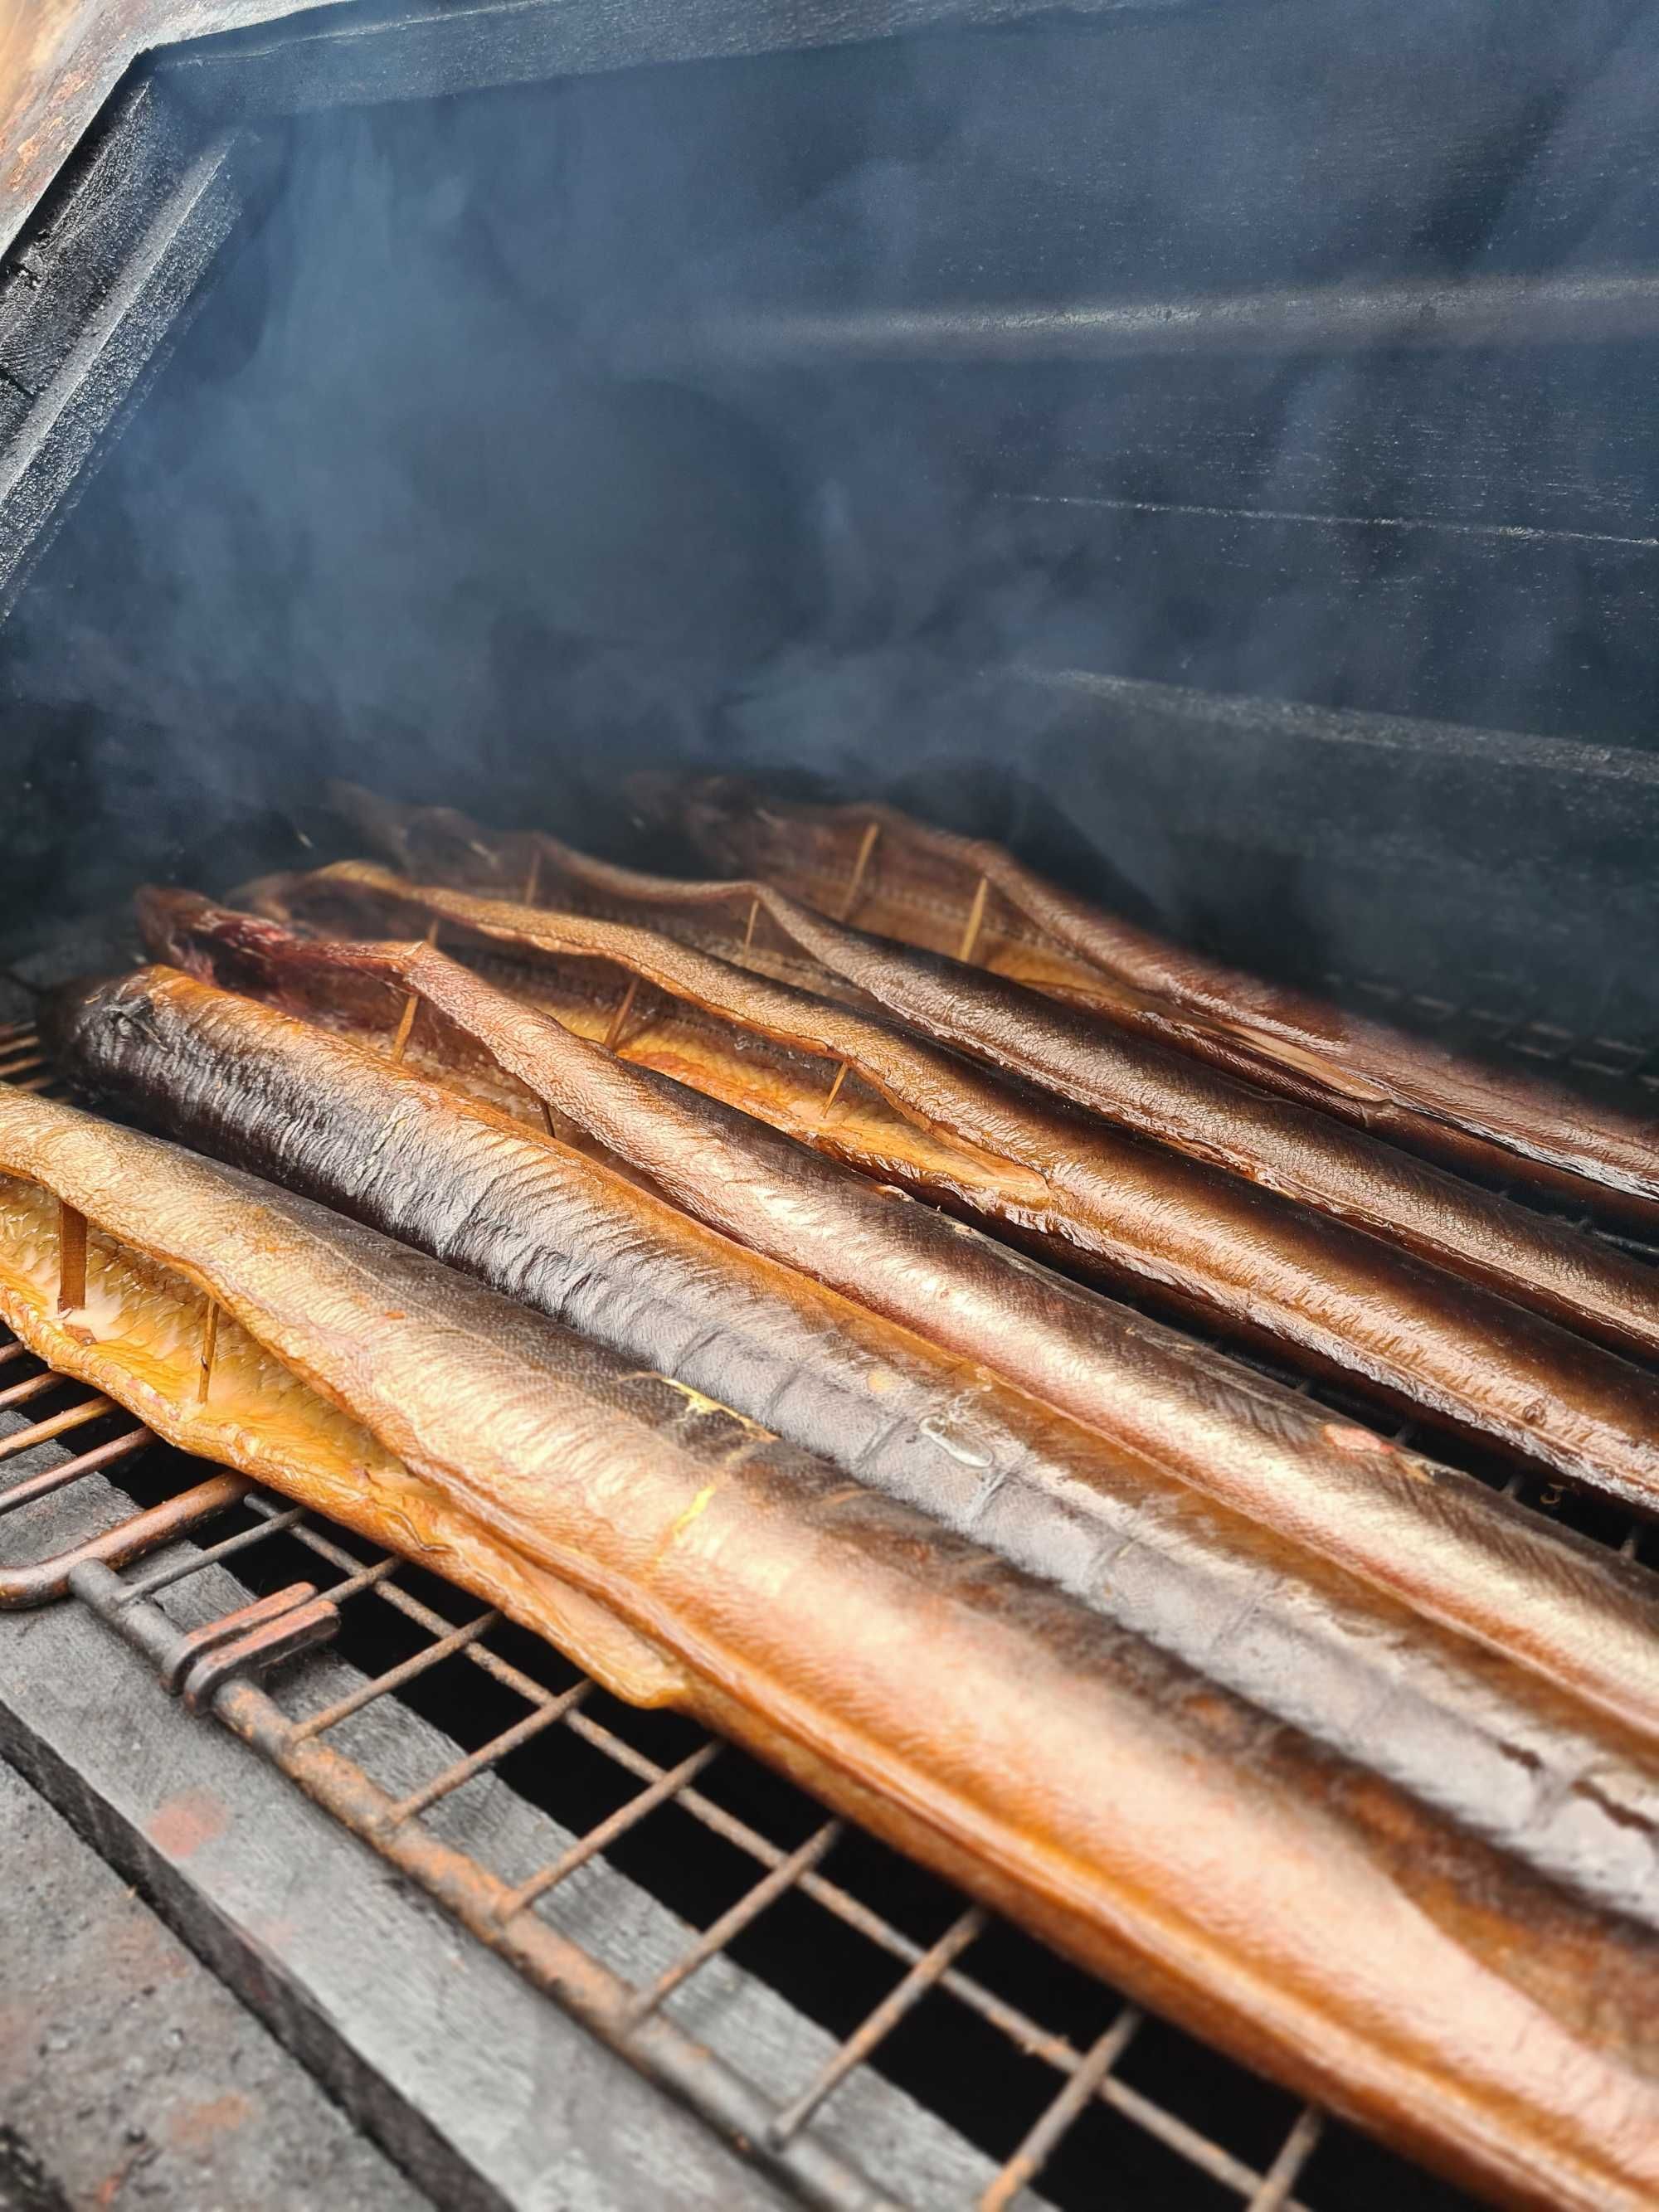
x,y
95,295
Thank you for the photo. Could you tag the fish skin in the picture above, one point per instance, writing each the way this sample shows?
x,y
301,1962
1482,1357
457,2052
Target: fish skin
x,y
1418,1094
1149,1088
1138,1082
1198,1241
1422,1534
1219,1868
335,1122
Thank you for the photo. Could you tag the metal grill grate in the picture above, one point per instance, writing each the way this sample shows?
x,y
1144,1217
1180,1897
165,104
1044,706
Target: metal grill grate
x,y
925,1988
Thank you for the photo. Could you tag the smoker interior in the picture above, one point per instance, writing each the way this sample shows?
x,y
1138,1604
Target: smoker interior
x,y
1041,424
1193,443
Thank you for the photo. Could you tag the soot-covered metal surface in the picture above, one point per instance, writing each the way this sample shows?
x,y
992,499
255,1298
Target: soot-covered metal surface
x,y
1208,445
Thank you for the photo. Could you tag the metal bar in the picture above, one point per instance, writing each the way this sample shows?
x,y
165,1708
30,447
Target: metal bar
x,y
616,1824
498,1747
163,1577
1028,2034
264,1644
1298,2147
598,1997
480,1654
1040,2144
394,1677
49,1579
22,1066
56,1425
14,1351
1421,313
732,1922
1185,2141
195,1643
36,1387
878,2024
53,1479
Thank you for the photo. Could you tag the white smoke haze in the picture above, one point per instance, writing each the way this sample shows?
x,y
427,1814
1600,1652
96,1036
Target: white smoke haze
x,y
489,473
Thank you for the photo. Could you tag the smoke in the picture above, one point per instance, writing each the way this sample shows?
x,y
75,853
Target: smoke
x,y
492,469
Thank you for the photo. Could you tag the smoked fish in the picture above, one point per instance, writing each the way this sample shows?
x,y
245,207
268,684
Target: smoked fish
x,y
1138,1082
1190,1237
1422,1534
1216,1865
565,1234
971,898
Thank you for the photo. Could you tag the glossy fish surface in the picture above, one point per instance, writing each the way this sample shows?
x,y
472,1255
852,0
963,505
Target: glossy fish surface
x,y
563,1234
1217,1866
1144,1085
921,885
1194,1238
1419,1532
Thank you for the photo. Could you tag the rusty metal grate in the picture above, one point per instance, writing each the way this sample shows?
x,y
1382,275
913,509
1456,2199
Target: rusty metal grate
x,y
918,1971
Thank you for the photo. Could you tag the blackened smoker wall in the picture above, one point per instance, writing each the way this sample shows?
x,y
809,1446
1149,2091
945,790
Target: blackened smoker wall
x,y
770,411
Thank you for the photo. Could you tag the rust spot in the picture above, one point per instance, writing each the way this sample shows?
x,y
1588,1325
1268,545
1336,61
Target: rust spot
x,y
195,2127
187,1822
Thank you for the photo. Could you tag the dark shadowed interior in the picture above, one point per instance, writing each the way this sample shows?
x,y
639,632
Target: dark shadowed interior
x,y
1138,433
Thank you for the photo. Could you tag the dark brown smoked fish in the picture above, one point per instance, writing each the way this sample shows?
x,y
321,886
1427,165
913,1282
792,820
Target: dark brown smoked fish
x,y
1196,1239
1267,1895
1468,1732
1140,1084
1422,1534
902,879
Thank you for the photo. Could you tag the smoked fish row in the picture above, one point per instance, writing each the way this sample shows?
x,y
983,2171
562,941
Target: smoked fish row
x,y
1463,1727
1186,1236
1271,1896
1432,1539
1140,1083
923,886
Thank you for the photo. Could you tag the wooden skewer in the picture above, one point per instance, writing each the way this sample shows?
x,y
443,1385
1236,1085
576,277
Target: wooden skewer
x,y
411,1006
975,919
834,1088
533,876
547,1116
406,1023
621,1014
71,1258
871,832
748,930
210,1347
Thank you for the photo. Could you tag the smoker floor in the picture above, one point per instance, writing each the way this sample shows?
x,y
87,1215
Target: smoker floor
x,y
129,2074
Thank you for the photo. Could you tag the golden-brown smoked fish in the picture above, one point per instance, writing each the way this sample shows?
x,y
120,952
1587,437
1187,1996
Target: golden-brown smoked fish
x,y
1422,1533
1188,1236
1138,1082
1466,1731
1221,1869
969,897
